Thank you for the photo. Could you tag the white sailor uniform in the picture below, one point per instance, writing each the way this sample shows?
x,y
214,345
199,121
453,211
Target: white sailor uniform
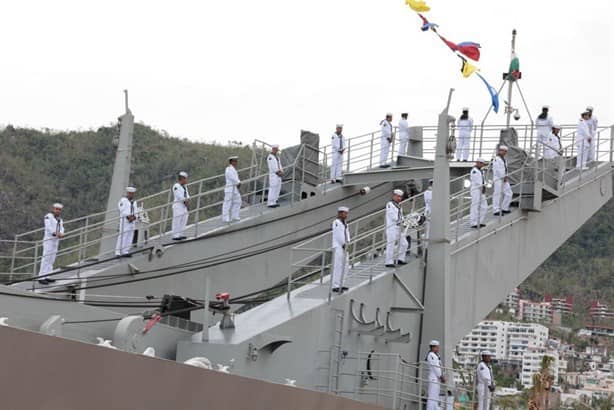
x,y
126,228
232,195
274,179
341,261
51,241
479,206
180,209
502,195
394,237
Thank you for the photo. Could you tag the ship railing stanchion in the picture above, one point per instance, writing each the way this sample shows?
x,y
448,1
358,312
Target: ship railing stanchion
x,y
322,266
330,274
197,211
85,237
13,257
347,168
205,334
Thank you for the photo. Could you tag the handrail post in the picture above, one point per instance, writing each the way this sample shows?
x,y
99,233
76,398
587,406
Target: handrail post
x,y
611,141
371,151
347,167
290,276
35,258
197,221
86,228
13,257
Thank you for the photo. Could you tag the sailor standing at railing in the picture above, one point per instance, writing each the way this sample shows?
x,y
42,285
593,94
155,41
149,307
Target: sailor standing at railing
x,y
232,195
403,134
465,127
584,140
543,125
386,140
502,195
436,377
552,145
338,145
54,231
479,206
341,243
592,126
485,381
127,216
181,203
394,239
275,173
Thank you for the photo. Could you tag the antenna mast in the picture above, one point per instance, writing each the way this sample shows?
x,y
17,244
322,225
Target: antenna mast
x,y
510,84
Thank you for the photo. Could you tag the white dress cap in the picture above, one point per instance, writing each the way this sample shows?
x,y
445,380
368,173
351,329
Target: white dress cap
x,y
232,157
183,174
482,160
589,108
434,343
130,189
465,109
388,114
503,147
485,353
343,209
275,146
398,192
58,205
339,125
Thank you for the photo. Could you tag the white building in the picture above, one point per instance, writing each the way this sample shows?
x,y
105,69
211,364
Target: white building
x,y
511,300
531,364
534,311
506,340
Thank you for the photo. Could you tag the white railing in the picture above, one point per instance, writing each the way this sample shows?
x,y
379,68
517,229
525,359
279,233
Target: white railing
x,y
84,234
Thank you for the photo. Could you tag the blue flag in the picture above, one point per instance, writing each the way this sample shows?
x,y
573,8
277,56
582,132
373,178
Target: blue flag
x,y
493,93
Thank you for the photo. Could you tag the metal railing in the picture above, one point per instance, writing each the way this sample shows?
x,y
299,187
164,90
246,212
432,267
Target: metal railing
x,y
154,214
362,152
387,380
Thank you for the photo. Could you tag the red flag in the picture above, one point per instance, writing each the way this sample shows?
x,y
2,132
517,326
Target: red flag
x,y
470,50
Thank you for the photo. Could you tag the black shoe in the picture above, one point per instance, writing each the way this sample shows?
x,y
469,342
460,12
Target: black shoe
x,y
339,181
482,225
177,239
474,227
43,281
344,288
332,181
50,280
390,265
498,214
464,160
336,290
127,256
506,212
399,262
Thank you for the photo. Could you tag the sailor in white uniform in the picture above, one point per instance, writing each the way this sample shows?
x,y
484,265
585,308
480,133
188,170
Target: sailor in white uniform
x,y
394,237
338,144
552,145
465,127
543,125
232,195
436,376
127,218
181,203
341,241
593,123
479,206
386,140
502,195
485,381
54,231
403,134
584,141
275,173
428,200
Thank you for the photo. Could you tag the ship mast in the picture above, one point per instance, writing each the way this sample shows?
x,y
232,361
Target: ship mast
x,y
510,84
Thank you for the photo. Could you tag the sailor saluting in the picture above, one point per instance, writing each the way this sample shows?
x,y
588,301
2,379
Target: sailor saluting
x,y
341,241
54,231
127,218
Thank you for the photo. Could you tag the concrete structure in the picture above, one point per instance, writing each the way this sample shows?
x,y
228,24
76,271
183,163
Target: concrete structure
x,y
598,311
512,299
534,311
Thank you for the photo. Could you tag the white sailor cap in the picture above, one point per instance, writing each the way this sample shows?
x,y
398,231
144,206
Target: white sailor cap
x,y
339,125
58,205
485,353
343,209
230,158
183,174
482,160
434,343
388,114
398,192
545,107
465,109
275,146
557,126
589,108
130,189
504,147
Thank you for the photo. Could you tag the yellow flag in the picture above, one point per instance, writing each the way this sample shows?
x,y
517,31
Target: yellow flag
x,y
417,5
468,69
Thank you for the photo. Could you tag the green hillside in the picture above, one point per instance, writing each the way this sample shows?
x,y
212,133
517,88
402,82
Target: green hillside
x,y
39,168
